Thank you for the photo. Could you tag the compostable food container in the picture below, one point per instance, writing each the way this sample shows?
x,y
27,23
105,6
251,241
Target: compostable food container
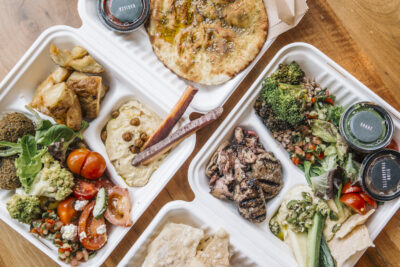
x,y
346,88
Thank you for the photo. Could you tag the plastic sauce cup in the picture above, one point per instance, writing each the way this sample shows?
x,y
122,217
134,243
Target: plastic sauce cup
x,y
123,15
366,127
380,175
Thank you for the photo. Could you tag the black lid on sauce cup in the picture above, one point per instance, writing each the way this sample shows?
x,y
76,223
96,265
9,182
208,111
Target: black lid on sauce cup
x,y
123,15
366,127
380,174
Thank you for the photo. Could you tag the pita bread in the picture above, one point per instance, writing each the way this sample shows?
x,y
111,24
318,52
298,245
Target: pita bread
x,y
343,248
175,246
216,253
352,222
207,41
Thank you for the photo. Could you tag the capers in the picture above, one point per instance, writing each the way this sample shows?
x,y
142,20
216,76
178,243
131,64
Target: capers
x,y
115,114
135,121
127,136
274,227
307,197
292,204
323,208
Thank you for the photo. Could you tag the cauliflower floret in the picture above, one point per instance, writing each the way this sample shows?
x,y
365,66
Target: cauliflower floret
x,y
24,208
53,180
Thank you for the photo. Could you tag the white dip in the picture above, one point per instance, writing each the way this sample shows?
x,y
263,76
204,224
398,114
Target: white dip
x,y
118,149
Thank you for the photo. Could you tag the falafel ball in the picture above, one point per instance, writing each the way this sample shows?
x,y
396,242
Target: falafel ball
x,y
15,125
8,174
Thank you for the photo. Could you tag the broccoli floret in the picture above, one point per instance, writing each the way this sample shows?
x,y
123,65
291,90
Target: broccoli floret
x,y
24,208
288,73
286,101
52,181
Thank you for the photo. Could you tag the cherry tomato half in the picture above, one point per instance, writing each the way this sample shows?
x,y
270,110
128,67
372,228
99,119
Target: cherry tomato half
x,y
94,166
348,188
393,145
76,159
84,189
354,201
119,207
66,211
369,200
89,225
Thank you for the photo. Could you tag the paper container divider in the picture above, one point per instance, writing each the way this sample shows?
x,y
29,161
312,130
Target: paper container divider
x,y
17,90
343,85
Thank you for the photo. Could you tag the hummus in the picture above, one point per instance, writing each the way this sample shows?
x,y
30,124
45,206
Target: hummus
x,y
119,150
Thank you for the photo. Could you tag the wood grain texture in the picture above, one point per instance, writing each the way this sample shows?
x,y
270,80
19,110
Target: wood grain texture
x,y
343,34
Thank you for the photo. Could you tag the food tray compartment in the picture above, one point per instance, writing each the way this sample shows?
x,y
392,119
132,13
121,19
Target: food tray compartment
x,y
347,89
137,48
17,90
244,253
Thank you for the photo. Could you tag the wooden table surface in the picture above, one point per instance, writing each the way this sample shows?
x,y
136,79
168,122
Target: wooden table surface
x,y
363,36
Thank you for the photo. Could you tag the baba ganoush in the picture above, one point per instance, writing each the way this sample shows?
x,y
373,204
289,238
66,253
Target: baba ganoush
x,y
126,132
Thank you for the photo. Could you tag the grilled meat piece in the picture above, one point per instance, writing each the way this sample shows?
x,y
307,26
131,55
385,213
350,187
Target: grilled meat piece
x,y
268,170
242,171
249,199
220,189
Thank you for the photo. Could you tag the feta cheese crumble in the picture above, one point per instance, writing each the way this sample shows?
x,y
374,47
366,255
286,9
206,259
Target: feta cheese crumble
x,y
101,229
82,236
69,232
80,204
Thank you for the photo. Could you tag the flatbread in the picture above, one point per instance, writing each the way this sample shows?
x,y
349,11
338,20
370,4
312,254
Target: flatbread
x,y
175,246
343,248
353,222
216,253
207,41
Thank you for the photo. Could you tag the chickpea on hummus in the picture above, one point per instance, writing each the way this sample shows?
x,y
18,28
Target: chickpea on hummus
x,y
125,134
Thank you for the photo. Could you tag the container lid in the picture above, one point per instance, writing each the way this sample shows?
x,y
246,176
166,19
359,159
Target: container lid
x,y
380,174
123,15
366,127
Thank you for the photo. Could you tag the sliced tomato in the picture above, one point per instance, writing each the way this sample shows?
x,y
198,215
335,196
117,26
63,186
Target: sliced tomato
x,y
89,225
105,182
76,159
348,188
66,211
354,201
119,207
322,155
393,145
94,166
85,189
369,200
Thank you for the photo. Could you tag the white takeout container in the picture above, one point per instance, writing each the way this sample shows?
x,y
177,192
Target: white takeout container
x,y
269,249
244,252
137,49
17,89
